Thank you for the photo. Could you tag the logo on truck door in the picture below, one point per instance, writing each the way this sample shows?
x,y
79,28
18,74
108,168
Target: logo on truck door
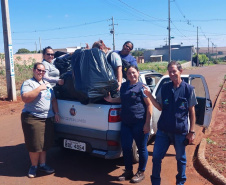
x,y
73,111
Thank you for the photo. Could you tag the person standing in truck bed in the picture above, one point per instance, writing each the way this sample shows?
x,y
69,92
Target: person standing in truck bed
x,y
114,60
125,53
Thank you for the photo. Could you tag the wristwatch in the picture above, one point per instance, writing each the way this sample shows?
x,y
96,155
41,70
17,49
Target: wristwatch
x,y
57,113
193,132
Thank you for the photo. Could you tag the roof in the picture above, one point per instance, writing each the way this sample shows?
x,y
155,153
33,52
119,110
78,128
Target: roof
x,y
152,56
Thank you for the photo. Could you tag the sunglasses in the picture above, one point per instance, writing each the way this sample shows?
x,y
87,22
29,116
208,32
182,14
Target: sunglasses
x,y
129,47
50,54
39,70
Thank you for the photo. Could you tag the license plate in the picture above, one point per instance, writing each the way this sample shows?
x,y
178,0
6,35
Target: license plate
x,y
74,145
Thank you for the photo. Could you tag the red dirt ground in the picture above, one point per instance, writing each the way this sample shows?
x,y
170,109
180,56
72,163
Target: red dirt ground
x,y
216,148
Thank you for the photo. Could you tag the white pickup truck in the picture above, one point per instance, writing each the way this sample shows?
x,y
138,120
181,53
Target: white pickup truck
x,y
95,128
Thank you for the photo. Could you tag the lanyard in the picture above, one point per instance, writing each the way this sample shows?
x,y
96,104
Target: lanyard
x,y
38,81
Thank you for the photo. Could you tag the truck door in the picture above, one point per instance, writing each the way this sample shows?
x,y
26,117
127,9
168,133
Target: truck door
x,y
203,109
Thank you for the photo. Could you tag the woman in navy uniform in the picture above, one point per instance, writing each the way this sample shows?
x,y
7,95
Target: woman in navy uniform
x,y
135,114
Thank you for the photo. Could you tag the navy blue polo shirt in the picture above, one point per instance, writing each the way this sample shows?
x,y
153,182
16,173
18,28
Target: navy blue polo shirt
x,y
132,102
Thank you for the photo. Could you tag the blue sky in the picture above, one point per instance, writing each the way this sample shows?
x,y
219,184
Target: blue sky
x,y
68,23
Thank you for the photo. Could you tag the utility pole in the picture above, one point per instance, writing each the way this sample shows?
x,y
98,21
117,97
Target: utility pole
x,y
9,64
208,52
35,47
113,31
208,49
40,44
212,49
165,40
197,46
169,31
216,51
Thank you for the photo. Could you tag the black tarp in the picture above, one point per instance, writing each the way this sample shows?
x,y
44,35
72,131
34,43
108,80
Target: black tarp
x,y
67,90
63,64
93,75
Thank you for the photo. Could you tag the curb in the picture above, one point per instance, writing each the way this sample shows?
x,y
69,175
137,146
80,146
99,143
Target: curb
x,y
211,173
208,171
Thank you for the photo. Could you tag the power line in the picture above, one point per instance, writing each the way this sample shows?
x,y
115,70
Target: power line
x,y
139,11
61,28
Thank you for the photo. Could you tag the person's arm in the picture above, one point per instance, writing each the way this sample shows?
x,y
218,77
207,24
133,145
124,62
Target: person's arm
x,y
112,100
55,109
146,127
153,100
49,78
46,77
191,135
28,97
116,64
87,46
53,79
119,77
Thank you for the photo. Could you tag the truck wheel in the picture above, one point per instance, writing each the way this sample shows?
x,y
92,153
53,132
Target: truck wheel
x,y
135,153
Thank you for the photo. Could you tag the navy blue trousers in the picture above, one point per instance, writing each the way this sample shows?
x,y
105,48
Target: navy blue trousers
x,y
128,134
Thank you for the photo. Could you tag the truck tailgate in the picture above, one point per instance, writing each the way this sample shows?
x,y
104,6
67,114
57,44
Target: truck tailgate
x,y
92,116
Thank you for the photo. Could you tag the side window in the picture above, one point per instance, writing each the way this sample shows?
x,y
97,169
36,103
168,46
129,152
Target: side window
x,y
199,88
152,80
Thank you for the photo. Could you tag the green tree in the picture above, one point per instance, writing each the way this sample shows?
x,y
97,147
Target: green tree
x,y
202,59
18,58
22,50
137,53
2,57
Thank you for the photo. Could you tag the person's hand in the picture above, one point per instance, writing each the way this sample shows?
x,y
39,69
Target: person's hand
x,y
108,98
57,118
119,86
61,82
191,137
146,90
87,46
146,127
42,87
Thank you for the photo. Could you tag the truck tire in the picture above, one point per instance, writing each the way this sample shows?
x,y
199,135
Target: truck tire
x,y
135,153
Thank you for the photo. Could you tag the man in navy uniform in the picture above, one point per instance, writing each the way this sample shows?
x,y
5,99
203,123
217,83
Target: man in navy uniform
x,y
177,102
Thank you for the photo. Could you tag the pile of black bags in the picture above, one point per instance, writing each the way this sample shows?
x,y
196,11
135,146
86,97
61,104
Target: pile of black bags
x,y
88,77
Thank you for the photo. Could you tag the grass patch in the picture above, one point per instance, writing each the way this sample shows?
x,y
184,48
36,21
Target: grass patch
x,y
22,73
210,141
160,67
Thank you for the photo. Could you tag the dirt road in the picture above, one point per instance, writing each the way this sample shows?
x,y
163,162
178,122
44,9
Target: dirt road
x,y
82,169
